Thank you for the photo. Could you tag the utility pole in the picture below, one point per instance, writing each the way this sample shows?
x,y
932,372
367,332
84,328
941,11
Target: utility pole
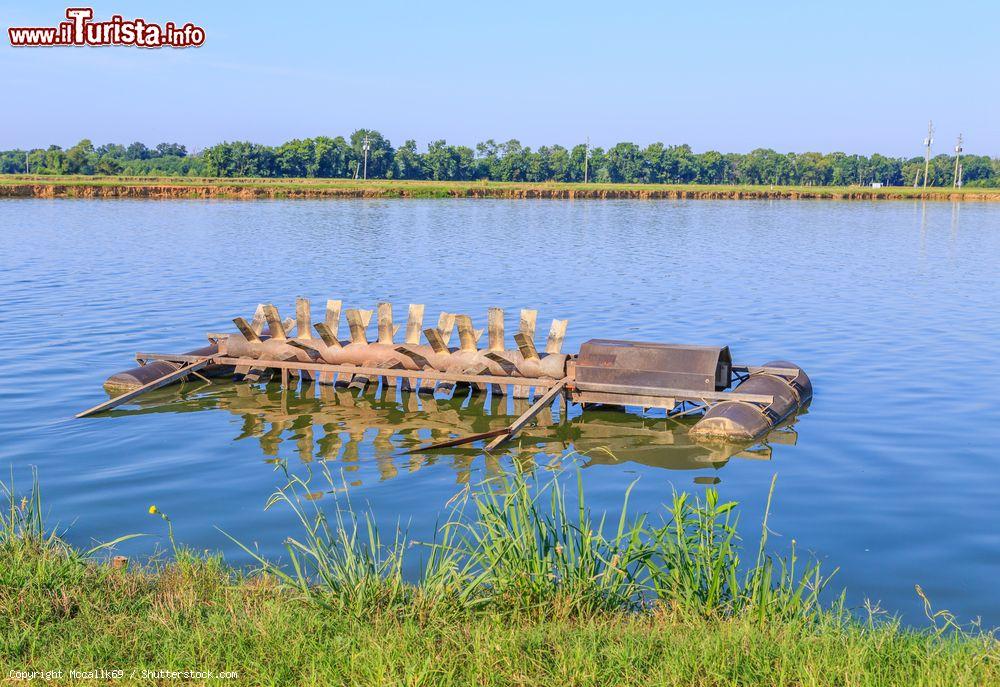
x,y
366,146
956,179
927,155
26,171
586,158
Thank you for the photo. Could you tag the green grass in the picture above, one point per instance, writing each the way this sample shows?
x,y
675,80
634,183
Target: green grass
x,y
522,585
291,188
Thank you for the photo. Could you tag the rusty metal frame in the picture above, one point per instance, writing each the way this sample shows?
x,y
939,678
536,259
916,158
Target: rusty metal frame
x,y
429,375
763,369
678,394
188,367
705,405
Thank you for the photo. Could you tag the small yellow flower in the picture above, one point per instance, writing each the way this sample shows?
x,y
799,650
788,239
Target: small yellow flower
x,y
152,510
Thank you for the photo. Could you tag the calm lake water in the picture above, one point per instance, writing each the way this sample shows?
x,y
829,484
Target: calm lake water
x,y
892,308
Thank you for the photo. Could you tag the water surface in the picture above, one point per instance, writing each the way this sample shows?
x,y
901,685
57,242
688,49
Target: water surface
x,y
891,307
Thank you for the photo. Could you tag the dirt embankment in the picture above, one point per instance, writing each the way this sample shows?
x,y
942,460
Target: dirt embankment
x,y
239,192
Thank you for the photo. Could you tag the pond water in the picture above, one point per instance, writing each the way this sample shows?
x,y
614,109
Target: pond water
x,y
891,307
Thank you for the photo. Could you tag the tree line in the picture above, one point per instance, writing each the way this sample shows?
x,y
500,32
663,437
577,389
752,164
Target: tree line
x,y
339,157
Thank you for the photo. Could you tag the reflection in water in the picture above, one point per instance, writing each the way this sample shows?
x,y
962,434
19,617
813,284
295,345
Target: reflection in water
x,y
955,212
326,423
923,229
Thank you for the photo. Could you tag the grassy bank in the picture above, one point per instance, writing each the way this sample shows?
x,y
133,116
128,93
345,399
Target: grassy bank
x,y
521,586
21,186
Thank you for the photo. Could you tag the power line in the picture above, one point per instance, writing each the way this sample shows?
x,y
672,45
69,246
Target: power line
x,y
366,146
927,155
956,179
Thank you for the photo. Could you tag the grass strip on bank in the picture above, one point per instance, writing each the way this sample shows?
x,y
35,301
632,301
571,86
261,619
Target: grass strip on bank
x,y
76,186
522,585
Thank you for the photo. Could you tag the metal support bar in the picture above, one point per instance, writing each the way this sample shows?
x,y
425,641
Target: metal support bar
x,y
688,411
201,377
759,369
679,394
665,402
531,412
168,378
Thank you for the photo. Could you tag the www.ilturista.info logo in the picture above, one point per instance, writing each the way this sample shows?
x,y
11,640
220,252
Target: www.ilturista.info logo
x,y
81,31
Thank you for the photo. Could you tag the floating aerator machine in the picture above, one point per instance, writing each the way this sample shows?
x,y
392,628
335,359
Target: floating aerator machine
x,y
679,378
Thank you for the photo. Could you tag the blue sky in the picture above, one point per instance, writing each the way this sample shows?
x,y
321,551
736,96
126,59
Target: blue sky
x,y
853,76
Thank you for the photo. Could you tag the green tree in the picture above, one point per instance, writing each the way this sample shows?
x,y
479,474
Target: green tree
x,y
137,151
441,162
406,162
108,166
333,158
81,158
559,163
513,164
488,153
811,169
540,164
711,167
112,150
239,159
12,161
175,149
976,170
49,161
574,170
678,165
885,170
653,163
296,158
624,163
468,166
598,166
